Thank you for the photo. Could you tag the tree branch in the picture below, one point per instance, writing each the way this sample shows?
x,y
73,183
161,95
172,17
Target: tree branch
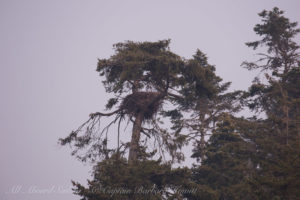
x,y
96,114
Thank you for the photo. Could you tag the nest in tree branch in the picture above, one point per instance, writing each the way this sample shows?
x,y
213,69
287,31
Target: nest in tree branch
x,y
145,102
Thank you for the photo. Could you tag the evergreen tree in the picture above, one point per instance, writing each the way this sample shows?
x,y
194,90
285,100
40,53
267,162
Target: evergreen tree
x,y
279,62
114,178
142,77
199,111
139,76
260,158
278,97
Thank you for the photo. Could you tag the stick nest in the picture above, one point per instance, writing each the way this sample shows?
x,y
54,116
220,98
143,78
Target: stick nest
x,y
145,102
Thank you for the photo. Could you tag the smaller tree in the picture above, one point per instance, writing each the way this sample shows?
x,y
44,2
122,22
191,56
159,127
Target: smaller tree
x,y
282,58
277,139
230,161
203,104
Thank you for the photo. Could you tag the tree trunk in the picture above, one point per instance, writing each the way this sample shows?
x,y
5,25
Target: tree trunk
x,y
202,146
297,120
135,137
287,124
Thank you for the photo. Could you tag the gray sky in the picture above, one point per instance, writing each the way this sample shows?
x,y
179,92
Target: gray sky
x,y
48,83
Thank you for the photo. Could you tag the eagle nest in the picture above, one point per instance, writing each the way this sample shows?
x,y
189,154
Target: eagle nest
x,y
145,102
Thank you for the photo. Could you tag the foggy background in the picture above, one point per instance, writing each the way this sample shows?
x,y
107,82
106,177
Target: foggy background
x,y
48,82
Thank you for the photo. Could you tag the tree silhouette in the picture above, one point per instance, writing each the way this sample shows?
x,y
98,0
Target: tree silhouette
x,y
143,76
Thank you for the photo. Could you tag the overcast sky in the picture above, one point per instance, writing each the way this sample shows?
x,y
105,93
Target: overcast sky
x,y
48,82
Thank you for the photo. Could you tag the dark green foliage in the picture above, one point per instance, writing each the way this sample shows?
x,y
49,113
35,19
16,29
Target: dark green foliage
x,y
114,178
111,103
206,100
229,163
198,80
245,159
147,64
277,34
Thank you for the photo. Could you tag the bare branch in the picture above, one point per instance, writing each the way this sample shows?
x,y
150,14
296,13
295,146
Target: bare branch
x,y
92,115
